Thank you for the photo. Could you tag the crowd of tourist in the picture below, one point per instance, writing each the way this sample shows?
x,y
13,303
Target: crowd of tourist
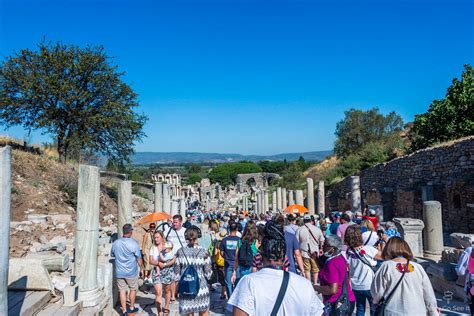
x,y
280,265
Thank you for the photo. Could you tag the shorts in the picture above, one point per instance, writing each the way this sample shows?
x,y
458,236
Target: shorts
x,y
127,283
310,265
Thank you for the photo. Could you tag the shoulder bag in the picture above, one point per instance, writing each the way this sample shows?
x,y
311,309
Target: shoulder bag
x,y
342,306
317,242
364,260
380,306
281,293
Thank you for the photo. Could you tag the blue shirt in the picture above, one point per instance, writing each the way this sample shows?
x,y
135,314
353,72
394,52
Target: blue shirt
x,y
292,244
126,252
228,247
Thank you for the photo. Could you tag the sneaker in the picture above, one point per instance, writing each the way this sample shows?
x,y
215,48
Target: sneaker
x,y
134,310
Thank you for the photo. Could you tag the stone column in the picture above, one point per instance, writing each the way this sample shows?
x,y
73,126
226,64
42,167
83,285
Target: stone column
x,y
158,197
259,202
291,198
284,200
5,200
321,198
124,205
175,208
355,189
87,235
265,201
433,232
274,201
279,199
166,198
299,197
182,208
310,196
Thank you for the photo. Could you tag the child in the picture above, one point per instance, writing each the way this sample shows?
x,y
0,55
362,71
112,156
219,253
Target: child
x,y
166,255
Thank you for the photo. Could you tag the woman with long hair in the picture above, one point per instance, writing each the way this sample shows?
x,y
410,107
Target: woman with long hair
x,y
401,286
246,250
162,273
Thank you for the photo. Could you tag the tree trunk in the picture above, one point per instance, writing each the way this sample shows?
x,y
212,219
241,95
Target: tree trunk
x,y
61,147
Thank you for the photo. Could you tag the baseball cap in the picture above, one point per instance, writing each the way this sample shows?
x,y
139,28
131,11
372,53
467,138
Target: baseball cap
x,y
372,212
127,228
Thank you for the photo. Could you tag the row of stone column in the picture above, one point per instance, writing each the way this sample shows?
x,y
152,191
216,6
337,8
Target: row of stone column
x,y
283,198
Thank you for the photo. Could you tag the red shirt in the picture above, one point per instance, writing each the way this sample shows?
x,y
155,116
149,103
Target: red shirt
x,y
373,219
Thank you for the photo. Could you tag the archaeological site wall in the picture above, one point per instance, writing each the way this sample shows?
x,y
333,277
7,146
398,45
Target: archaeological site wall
x,y
444,173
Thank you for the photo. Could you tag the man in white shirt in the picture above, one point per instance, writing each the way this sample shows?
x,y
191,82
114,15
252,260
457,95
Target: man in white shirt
x,y
175,234
256,293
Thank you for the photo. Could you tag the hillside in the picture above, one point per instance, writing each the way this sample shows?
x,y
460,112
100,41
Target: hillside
x,y
144,158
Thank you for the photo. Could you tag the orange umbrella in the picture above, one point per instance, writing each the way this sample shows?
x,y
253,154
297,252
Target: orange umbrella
x,y
154,217
296,208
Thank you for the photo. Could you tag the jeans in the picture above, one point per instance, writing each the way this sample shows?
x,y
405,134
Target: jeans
x,y
227,277
361,297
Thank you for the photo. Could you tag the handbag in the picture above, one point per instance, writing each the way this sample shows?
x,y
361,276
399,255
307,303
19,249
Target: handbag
x,y
342,306
281,293
380,306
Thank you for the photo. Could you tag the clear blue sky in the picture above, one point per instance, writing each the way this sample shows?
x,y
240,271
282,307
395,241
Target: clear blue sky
x,y
259,77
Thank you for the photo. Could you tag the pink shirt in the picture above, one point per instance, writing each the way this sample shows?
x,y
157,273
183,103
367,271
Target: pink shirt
x,y
341,230
334,271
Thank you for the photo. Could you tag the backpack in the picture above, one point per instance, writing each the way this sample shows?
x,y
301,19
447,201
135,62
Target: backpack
x,y
188,284
218,259
245,254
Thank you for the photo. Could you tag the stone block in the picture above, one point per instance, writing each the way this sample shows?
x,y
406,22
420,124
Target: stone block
x,y
411,231
70,295
28,274
52,260
460,240
443,271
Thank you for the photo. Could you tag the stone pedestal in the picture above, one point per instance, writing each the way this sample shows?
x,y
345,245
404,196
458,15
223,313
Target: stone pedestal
x,y
310,197
291,198
274,201
166,198
411,231
158,197
279,199
124,205
87,235
433,232
299,197
355,193
5,200
284,200
321,198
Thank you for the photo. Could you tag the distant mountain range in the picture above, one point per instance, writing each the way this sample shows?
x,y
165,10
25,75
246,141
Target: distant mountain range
x,y
146,158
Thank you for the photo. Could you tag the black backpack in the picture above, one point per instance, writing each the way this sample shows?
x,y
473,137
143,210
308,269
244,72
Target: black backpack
x,y
245,254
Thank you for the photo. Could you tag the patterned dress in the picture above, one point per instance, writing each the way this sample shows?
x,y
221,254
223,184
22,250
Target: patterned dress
x,y
200,259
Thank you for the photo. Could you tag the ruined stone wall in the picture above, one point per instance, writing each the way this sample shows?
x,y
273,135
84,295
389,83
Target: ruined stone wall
x,y
444,173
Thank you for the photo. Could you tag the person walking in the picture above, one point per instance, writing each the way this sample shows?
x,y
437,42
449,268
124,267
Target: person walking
x,y
175,234
369,236
311,239
293,252
246,250
401,284
465,267
128,267
194,255
227,248
334,283
362,262
163,274
271,289
147,243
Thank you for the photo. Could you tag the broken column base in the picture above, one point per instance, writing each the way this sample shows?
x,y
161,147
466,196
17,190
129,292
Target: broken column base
x,y
91,298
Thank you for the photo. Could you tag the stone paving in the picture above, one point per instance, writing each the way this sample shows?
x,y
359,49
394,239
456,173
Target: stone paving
x,y
146,303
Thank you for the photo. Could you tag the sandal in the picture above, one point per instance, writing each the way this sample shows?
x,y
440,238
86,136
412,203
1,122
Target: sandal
x,y
165,311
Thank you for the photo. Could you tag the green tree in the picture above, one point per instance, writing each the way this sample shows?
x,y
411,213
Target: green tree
x,y
226,173
273,166
359,128
449,118
74,94
292,177
193,168
193,178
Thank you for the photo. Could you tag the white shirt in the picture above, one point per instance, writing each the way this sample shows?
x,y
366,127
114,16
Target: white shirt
x,y
257,292
175,236
361,274
373,238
